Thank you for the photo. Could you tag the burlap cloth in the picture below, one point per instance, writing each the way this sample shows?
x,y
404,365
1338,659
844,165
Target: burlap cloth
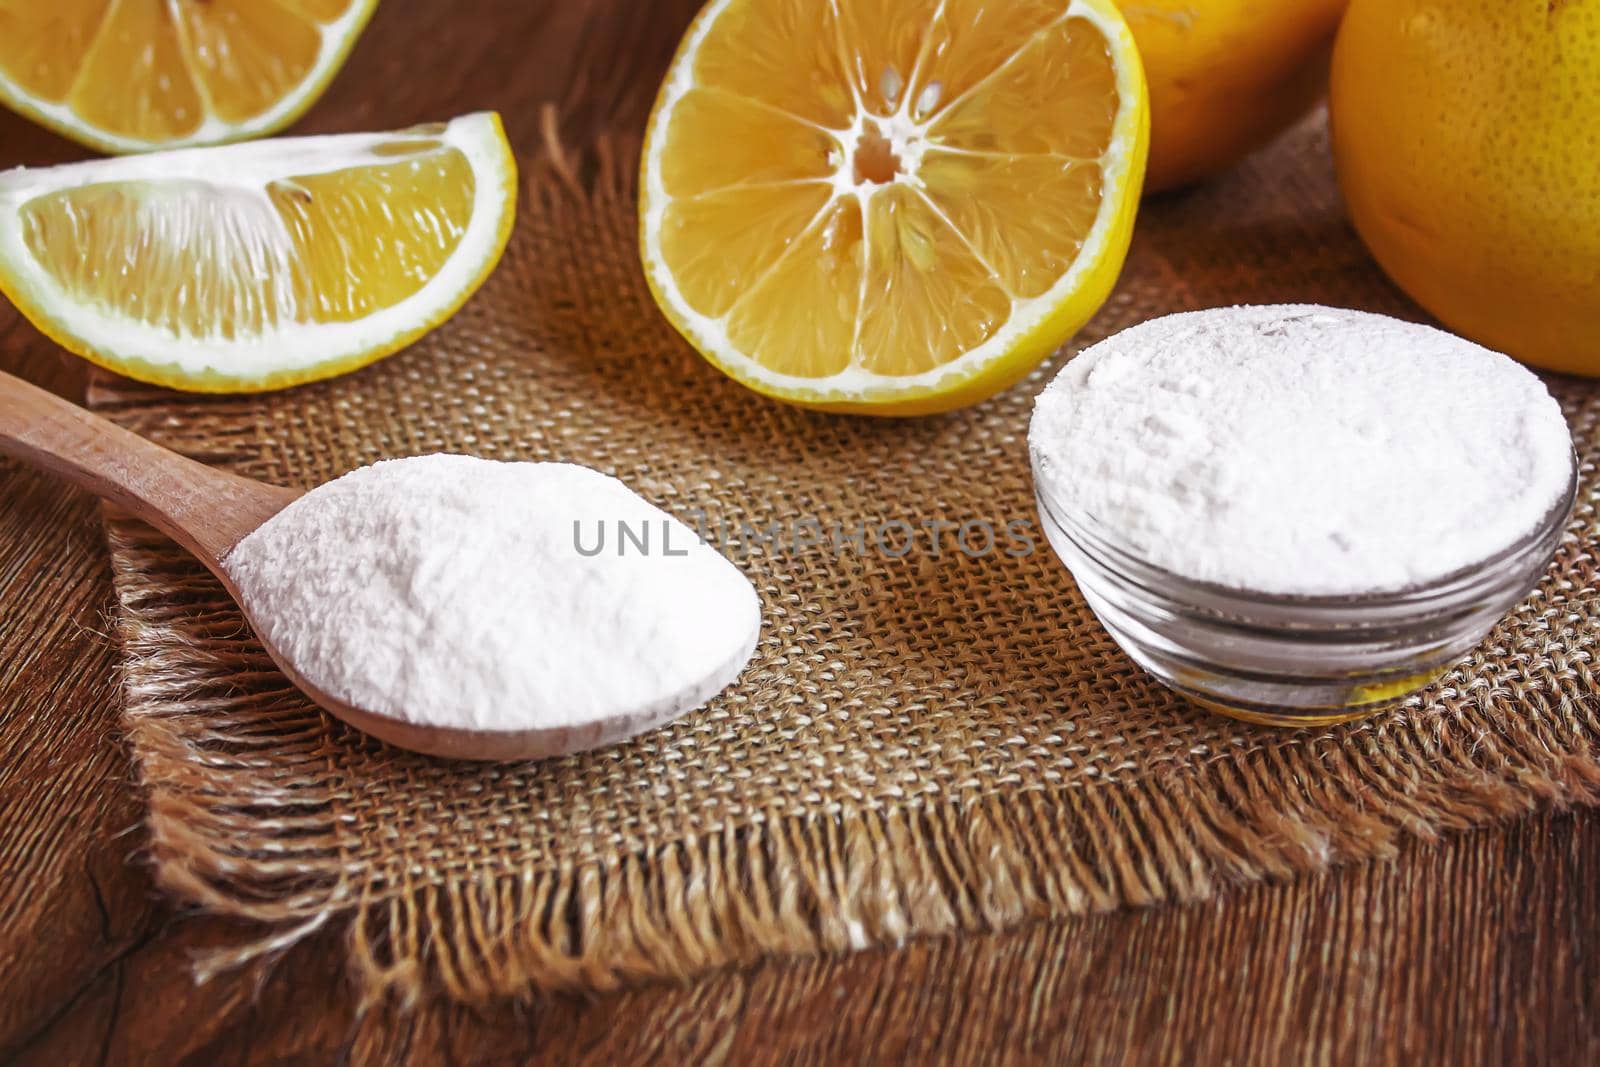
x,y
922,744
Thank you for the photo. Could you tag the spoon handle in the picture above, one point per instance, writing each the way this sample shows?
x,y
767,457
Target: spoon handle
x,y
206,510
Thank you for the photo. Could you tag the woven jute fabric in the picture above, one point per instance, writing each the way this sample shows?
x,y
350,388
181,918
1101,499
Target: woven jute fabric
x,y
925,742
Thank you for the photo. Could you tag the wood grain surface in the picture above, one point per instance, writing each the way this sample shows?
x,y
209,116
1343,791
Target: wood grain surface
x,y
1482,948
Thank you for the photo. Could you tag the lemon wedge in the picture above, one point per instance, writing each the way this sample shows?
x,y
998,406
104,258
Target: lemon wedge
x,y
892,206
262,265
133,75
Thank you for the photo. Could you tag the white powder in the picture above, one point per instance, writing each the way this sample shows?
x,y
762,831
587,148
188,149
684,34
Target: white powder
x,y
1301,449
451,591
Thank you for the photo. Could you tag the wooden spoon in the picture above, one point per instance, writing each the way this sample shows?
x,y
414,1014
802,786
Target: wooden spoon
x,y
208,512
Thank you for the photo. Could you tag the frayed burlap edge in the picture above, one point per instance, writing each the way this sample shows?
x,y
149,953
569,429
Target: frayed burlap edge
x,y
804,885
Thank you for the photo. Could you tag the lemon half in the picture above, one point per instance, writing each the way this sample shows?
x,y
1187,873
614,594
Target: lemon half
x,y
892,206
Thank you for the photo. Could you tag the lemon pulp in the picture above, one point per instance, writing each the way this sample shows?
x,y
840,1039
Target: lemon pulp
x,y
204,262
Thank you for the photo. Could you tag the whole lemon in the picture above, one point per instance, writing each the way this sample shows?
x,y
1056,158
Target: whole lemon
x,y
1467,135
1226,76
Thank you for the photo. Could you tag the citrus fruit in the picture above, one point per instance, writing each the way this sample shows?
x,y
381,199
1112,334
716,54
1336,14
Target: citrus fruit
x,y
132,75
891,206
1226,76
261,265
1467,136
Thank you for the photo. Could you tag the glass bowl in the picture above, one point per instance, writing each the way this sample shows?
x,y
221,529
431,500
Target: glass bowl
x,y
1293,660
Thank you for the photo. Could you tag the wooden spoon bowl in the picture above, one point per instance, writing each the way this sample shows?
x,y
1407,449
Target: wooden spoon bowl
x,y
209,512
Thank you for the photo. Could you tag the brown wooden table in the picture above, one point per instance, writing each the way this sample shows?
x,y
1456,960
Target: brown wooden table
x,y
1484,948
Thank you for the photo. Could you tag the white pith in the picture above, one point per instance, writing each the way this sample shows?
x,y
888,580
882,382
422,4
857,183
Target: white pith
x,y
907,137
243,171
337,38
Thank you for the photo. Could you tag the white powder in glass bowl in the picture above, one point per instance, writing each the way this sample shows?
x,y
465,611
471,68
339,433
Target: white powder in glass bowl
x,y
1301,449
458,592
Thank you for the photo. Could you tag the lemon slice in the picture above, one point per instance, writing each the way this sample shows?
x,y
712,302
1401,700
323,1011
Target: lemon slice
x,y
892,206
132,75
260,265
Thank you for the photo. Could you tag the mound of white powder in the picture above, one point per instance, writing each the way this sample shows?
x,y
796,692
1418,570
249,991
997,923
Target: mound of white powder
x,y
459,592
1301,449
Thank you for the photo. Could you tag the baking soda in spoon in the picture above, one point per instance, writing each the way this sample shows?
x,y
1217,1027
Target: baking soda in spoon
x,y
460,593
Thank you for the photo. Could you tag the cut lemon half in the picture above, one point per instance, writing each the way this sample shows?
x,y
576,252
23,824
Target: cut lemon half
x,y
261,265
892,206
132,75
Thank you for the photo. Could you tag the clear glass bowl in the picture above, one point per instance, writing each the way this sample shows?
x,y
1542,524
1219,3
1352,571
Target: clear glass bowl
x,y
1293,660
